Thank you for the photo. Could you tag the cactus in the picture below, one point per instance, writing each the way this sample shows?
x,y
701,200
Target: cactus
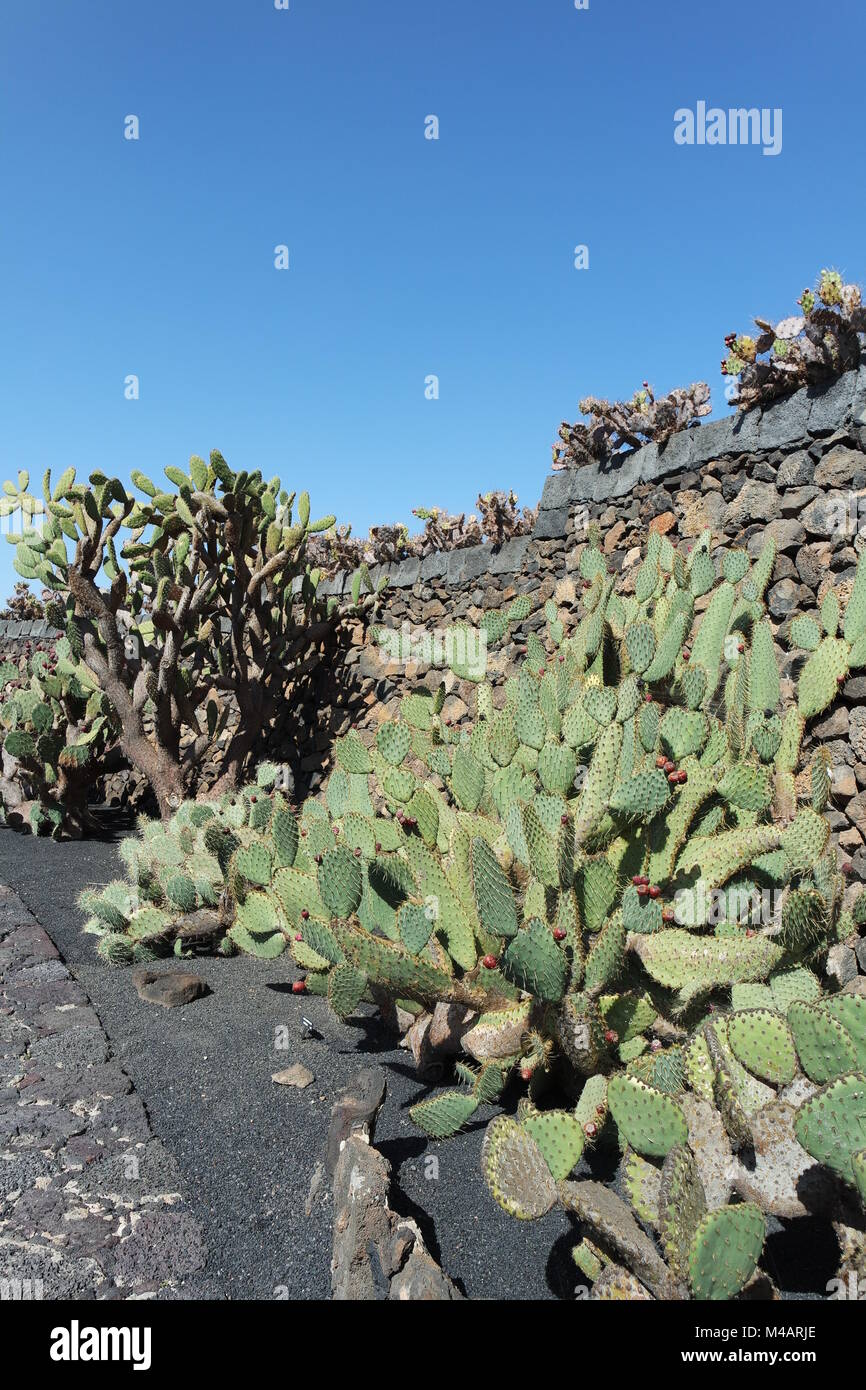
x,y
832,1127
59,734
811,347
212,589
628,423
831,656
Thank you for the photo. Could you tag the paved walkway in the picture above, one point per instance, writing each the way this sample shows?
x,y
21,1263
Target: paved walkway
x,y
90,1201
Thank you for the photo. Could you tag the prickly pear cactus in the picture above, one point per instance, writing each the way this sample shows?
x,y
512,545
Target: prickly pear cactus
x,y
56,727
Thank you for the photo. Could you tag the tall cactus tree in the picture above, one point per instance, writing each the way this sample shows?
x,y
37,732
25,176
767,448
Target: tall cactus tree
x,y
210,595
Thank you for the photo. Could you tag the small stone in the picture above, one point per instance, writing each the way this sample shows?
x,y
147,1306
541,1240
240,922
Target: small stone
x,y
754,502
841,965
840,467
296,1075
856,811
857,732
785,597
827,515
788,535
836,726
796,470
663,523
844,783
172,989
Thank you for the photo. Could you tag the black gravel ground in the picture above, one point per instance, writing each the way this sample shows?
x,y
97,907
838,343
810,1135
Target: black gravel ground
x,y
248,1147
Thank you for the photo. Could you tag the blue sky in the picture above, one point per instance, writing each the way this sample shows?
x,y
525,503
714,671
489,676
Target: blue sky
x,y
408,257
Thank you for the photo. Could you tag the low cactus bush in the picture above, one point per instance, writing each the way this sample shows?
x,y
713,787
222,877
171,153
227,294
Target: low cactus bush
x,y
24,606
819,343
620,425
58,729
501,519
614,887
210,596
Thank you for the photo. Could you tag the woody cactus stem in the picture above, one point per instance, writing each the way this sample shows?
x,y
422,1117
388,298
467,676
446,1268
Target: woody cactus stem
x,y
211,597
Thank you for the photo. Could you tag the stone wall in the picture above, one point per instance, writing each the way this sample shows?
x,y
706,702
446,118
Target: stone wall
x,y
795,471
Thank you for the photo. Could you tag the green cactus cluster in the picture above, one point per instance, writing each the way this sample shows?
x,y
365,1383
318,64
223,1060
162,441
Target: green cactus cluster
x,y
836,645
178,597
820,342
612,872
615,425
57,725
694,1251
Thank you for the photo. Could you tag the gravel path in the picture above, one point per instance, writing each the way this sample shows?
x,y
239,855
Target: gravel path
x,y
246,1148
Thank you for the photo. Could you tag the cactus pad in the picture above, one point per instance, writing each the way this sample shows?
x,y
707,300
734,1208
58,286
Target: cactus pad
x,y
515,1170
832,1125
560,1138
445,1114
651,1122
534,962
725,1250
825,1048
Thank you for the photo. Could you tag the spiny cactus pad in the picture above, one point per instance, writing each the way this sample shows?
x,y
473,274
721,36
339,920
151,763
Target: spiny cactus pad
x,y
534,962
682,1205
832,1125
762,1041
515,1170
560,1138
651,1122
725,1250
444,1114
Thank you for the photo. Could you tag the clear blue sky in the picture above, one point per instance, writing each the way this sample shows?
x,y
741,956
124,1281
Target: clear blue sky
x,y
409,257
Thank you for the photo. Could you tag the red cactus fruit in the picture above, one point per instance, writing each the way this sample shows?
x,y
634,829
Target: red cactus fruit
x,y
490,962
299,987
